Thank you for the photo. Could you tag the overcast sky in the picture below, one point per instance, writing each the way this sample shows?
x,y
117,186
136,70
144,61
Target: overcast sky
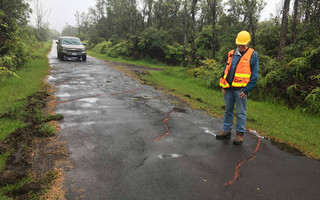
x,y
63,11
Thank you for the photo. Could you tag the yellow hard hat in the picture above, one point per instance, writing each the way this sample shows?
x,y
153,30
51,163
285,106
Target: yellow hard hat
x,y
243,38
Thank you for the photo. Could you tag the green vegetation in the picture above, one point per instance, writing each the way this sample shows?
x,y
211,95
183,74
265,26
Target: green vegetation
x,y
3,159
140,62
21,104
14,91
7,126
46,130
10,189
31,79
54,117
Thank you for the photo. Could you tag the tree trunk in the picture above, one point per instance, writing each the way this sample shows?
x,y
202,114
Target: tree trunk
x,y
131,17
307,11
186,24
213,7
294,21
251,26
284,28
149,23
193,45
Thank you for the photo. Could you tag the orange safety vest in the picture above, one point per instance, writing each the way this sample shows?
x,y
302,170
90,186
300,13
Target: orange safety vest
x,y
243,70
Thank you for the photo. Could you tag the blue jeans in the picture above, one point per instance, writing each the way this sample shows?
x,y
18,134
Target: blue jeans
x,y
230,98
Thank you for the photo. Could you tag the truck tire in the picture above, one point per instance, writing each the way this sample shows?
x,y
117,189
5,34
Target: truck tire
x,y
84,57
62,57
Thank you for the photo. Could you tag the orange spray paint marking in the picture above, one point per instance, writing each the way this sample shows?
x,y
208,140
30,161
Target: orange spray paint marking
x,y
253,155
127,92
165,124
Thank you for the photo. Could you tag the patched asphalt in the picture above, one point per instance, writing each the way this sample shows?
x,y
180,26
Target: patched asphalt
x,y
111,123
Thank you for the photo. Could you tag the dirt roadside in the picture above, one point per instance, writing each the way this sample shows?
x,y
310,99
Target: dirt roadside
x,y
37,156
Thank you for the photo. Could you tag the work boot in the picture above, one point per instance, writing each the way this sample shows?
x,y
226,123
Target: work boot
x,y
223,135
239,138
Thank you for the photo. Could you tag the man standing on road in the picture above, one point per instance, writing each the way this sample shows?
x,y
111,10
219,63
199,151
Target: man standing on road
x,y
238,79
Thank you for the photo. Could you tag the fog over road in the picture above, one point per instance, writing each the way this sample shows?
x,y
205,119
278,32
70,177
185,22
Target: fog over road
x,y
113,126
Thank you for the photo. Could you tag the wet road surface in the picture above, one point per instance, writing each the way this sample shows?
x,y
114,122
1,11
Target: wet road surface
x,y
114,128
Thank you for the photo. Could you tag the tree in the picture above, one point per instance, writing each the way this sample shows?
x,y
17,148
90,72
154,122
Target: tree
x,y
294,20
254,8
193,23
184,18
77,16
147,11
132,11
85,22
18,10
40,14
284,28
69,30
213,7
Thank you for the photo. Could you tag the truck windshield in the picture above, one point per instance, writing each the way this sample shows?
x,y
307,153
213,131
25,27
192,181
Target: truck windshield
x,y
71,41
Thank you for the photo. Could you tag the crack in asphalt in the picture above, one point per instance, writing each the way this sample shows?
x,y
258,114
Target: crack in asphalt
x,y
165,124
253,155
142,163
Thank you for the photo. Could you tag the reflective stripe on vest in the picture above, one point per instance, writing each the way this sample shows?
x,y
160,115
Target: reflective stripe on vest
x,y
243,70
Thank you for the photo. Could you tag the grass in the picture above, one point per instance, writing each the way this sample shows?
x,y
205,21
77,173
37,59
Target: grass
x,y
271,119
140,62
11,188
14,92
7,126
31,80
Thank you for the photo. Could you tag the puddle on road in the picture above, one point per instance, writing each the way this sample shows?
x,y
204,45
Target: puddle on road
x,y
166,156
62,95
65,86
280,145
51,78
69,125
90,100
79,112
176,109
287,148
86,105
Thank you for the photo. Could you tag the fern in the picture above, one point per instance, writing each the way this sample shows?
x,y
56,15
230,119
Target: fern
x,y
299,66
291,90
316,77
313,101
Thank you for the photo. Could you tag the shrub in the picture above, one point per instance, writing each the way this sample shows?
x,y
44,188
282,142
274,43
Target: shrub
x,y
204,42
14,43
210,70
4,73
312,101
153,43
174,54
315,58
267,64
298,67
118,50
102,47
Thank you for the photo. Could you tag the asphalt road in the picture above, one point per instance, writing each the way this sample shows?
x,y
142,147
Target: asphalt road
x,y
112,123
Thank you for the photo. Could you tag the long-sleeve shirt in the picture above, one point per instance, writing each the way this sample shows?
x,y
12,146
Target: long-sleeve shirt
x,y
254,65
